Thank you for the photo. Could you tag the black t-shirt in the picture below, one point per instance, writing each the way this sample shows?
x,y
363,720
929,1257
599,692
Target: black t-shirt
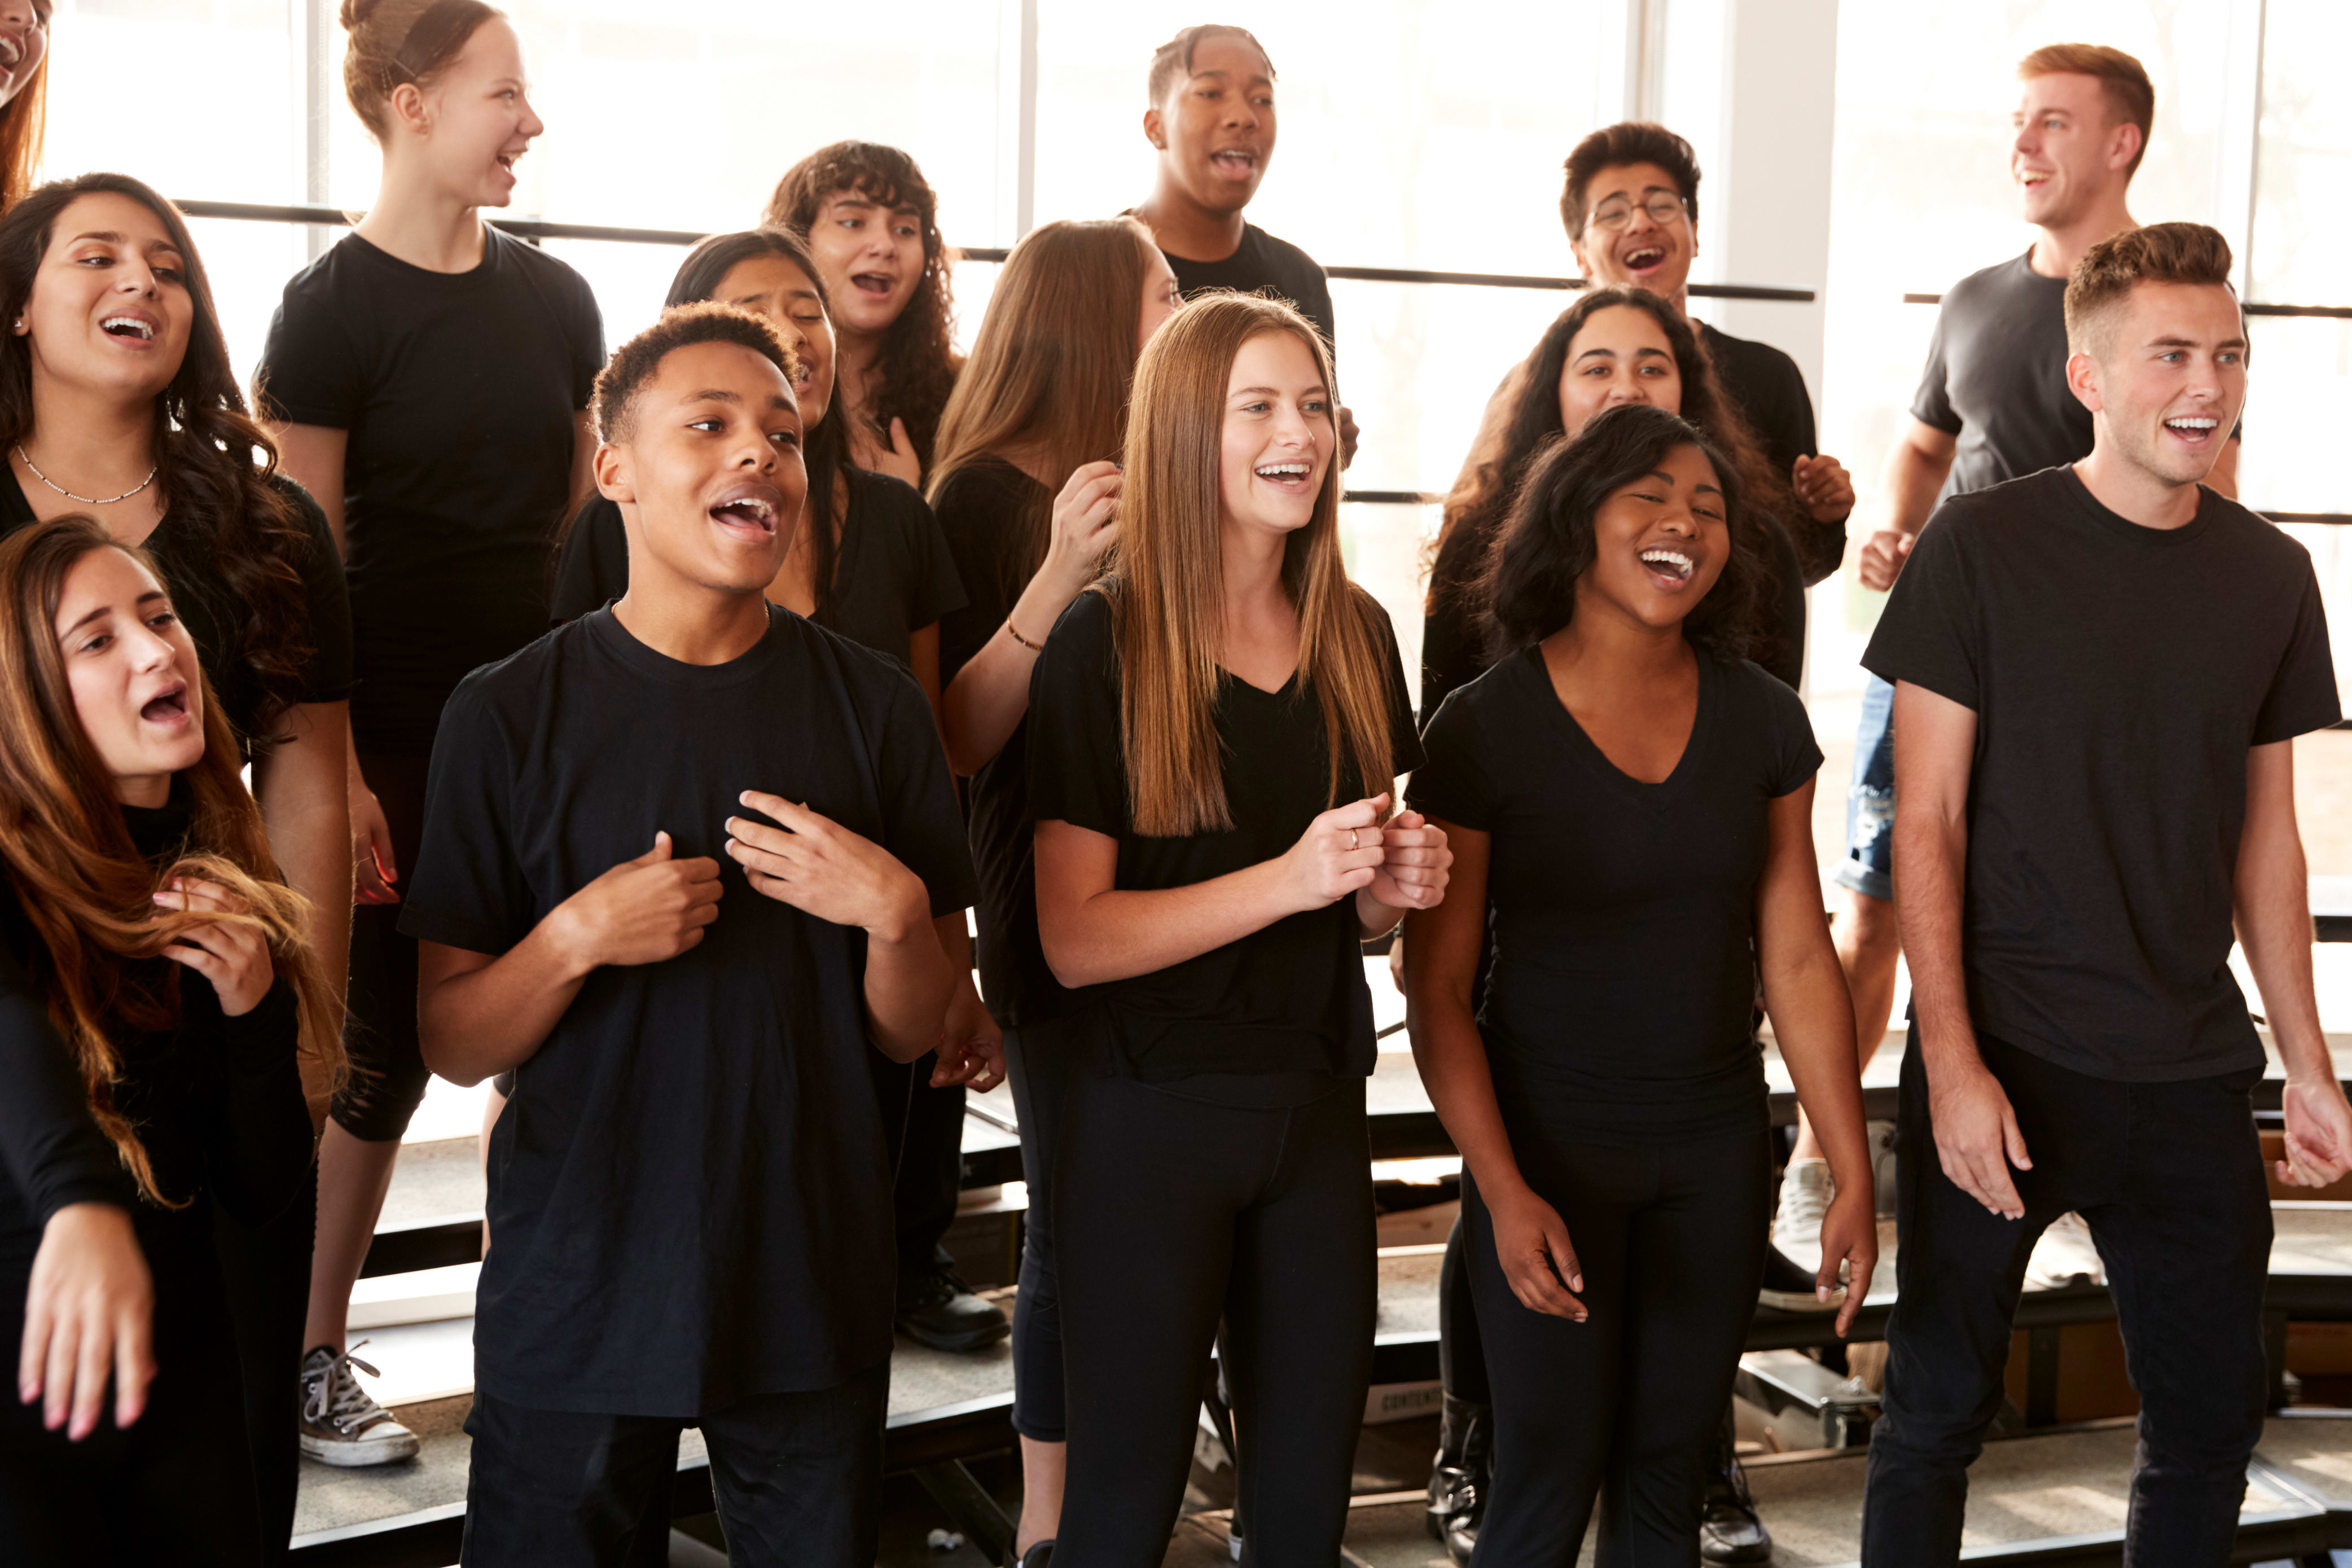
x,y
460,393
1619,1003
1264,263
1996,378
209,608
1289,998
985,508
1768,390
892,576
2119,674
689,1188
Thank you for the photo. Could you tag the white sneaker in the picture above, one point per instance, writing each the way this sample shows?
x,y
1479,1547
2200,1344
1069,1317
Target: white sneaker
x,y
342,1422
1805,1193
2066,1255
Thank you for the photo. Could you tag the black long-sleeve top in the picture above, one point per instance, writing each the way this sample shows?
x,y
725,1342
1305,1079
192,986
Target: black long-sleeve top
x,y
218,1101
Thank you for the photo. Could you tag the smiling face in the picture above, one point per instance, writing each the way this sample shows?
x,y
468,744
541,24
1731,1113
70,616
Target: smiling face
x,y
1278,436
2166,378
775,286
1659,543
108,310
2069,154
1161,297
872,258
1215,127
133,675
1635,231
479,110
709,471
1619,355
24,43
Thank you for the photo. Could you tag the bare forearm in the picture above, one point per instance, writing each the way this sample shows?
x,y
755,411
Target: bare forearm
x,y
1930,860
1452,1058
492,1019
984,703
1374,918
1812,1023
1914,477
1118,935
2274,919
909,981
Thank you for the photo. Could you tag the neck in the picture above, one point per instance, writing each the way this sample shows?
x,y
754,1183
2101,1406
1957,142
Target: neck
x,y
854,356
1615,647
1182,226
2063,244
150,790
686,620
422,225
97,443
2134,494
1252,573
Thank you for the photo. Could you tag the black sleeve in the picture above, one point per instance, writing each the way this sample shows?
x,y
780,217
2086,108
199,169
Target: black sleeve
x,y
1932,403
1077,765
2303,695
587,342
1452,781
922,824
467,888
931,584
49,1143
1927,634
1452,654
259,1138
1404,737
972,531
593,567
1796,754
1315,304
328,597
310,371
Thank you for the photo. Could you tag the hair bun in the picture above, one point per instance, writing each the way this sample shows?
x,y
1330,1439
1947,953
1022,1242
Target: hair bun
x,y
355,14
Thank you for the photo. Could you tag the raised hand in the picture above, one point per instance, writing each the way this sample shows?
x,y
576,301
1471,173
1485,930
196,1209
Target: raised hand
x,y
1339,854
822,868
644,910
1085,526
1415,863
90,1313
233,954
1825,487
1882,557
900,460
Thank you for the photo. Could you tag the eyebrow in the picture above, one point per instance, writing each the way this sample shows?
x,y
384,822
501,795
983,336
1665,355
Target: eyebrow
x,y
112,236
1273,391
2178,343
150,596
1256,79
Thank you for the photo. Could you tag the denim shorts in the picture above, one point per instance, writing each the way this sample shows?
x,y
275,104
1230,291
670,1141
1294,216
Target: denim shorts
x,y
1869,865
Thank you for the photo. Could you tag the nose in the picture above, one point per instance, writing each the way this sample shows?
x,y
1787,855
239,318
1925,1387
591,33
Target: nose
x,y
532,126
149,649
138,278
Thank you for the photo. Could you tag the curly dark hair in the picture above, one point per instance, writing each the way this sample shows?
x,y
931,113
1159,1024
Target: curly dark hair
x,y
1529,581
1613,147
917,364
215,468
633,364
1474,512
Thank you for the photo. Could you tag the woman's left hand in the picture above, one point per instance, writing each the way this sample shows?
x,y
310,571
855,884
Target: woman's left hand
x,y
231,955
1825,489
971,1048
1415,863
1849,1235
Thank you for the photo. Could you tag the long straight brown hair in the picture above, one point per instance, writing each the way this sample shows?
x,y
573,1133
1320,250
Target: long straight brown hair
x,y
1049,373
1168,589
22,124
82,883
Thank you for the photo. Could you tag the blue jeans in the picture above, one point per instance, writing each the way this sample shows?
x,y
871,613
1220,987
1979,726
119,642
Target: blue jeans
x,y
1869,865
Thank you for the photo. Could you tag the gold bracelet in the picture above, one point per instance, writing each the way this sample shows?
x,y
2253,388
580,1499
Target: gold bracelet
x,y
1015,630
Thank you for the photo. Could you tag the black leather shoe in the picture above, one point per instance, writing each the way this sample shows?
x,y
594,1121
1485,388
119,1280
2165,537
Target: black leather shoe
x,y
1458,1478
939,1310
1729,1530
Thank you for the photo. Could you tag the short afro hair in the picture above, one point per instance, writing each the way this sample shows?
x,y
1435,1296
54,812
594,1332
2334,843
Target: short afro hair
x,y
1171,62
1613,147
633,364
2162,253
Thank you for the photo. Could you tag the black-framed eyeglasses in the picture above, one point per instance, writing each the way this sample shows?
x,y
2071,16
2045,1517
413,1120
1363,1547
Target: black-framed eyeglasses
x,y
1613,215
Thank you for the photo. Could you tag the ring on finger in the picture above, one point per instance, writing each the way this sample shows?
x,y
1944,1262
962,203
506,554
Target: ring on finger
x,y
1351,838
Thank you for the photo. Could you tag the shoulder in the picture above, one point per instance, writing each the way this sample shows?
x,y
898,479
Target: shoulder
x,y
1285,254
1758,359
1505,686
982,485
1966,520
304,509
533,262
880,497
339,270
1089,625
1987,283
1753,686
873,682
2249,530
513,686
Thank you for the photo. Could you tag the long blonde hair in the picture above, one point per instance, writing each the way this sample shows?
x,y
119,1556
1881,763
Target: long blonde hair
x,y
83,884
1168,590
1048,374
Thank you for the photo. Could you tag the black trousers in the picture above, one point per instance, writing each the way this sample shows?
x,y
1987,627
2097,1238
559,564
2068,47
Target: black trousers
x,y
1461,1349
2169,1177
388,1076
1625,1407
798,1479
922,1130
265,1274
176,1486
1036,1058
1170,1213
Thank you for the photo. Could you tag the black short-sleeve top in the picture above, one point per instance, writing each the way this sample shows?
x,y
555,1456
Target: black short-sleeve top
x,y
1620,1005
1289,998
460,393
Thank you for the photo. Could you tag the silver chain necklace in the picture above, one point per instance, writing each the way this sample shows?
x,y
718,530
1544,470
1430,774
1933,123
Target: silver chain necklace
x,y
84,500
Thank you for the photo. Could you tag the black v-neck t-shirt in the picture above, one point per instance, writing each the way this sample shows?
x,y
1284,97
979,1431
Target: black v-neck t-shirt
x,y
1287,1000
892,576
209,608
1620,1001
689,1188
460,393
2119,674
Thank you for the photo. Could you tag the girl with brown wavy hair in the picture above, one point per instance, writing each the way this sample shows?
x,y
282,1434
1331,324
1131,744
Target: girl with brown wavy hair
x,y
117,399
873,223
159,996
1214,734
24,92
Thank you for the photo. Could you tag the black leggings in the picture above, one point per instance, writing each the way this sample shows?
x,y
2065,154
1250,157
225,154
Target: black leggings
x,y
1626,1405
1171,1212
922,1131
388,1076
1034,1056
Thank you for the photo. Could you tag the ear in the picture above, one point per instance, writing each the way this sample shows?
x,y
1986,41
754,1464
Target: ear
x,y
614,481
2083,380
2125,147
1583,262
409,110
1155,129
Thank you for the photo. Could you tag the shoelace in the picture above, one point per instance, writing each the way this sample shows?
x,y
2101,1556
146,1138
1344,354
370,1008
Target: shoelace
x,y
337,1397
